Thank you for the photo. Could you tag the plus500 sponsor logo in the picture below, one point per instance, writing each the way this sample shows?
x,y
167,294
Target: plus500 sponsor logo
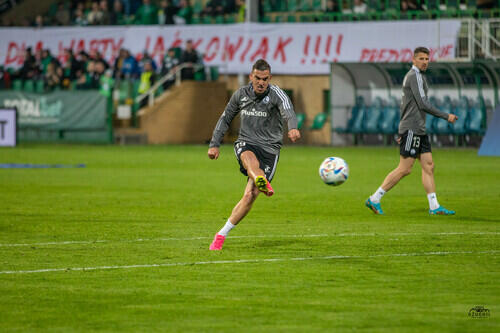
x,y
254,113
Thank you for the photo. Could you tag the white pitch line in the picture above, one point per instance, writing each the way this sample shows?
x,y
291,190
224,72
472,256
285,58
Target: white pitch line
x,y
371,234
240,261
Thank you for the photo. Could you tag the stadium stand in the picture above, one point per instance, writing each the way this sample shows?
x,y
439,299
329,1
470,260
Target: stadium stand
x,y
270,11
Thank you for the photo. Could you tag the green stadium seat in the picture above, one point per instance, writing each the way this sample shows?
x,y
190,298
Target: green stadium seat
x,y
301,118
461,111
230,18
219,19
319,121
389,117
306,18
291,19
206,20
17,85
40,86
195,19
354,114
29,86
265,19
373,116
214,73
476,118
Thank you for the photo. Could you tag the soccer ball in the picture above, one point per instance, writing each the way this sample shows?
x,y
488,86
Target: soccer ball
x,y
334,171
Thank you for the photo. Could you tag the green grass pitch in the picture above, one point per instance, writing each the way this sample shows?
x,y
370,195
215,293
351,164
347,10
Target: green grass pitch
x,y
122,245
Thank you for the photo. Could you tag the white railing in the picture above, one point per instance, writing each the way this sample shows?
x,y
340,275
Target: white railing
x,y
176,72
478,39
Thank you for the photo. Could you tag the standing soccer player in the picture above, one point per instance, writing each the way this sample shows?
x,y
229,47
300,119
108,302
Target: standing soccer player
x,y
413,141
263,108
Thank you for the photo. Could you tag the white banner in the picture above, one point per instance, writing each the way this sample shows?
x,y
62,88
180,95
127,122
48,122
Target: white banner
x,y
290,48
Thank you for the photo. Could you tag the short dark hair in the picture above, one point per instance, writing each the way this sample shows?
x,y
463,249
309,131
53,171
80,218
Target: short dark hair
x,y
421,49
261,65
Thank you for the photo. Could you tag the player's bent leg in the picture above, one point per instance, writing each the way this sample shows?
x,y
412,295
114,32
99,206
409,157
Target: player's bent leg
x,y
251,164
264,185
402,170
239,212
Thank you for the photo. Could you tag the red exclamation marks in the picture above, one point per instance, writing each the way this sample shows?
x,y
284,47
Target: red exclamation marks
x,y
306,49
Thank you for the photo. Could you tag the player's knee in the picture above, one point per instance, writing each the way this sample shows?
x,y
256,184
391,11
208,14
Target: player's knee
x,y
405,171
250,196
430,167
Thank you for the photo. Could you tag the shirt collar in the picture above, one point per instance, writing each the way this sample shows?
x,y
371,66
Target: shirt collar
x,y
415,68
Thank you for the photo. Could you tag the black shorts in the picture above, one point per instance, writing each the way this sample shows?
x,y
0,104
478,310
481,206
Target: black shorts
x,y
267,161
412,145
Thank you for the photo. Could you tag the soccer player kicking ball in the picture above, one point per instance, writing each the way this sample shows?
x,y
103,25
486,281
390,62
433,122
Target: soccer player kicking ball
x,y
413,141
262,107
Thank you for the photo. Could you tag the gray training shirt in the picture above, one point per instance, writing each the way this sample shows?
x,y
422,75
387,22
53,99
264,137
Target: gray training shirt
x,y
414,103
261,118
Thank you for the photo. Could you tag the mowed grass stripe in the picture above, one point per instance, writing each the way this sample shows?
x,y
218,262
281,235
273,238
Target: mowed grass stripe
x,y
244,261
138,240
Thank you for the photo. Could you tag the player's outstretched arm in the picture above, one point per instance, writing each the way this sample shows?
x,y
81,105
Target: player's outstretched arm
x,y
213,153
294,134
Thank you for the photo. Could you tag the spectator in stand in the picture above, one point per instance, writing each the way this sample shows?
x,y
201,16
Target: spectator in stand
x,y
106,83
190,58
39,22
487,4
167,12
47,58
4,79
145,59
117,67
95,16
100,59
214,8
117,16
147,14
83,59
80,17
332,7
71,65
106,18
29,70
129,69
359,7
230,6
62,16
85,77
99,70
185,13
146,81
52,76
241,7
170,62
413,5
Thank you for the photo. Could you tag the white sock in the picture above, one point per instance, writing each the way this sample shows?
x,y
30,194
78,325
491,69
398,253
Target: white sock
x,y
379,193
433,201
226,229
